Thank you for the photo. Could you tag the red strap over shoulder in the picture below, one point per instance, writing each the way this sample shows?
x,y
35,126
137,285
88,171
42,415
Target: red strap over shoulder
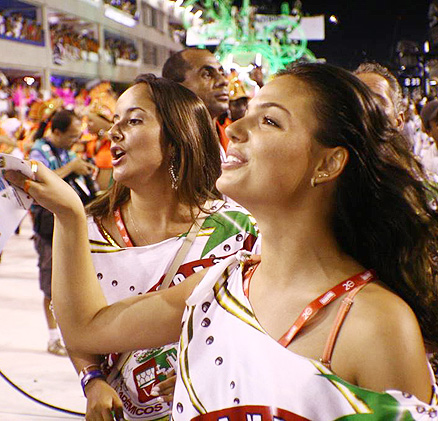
x,y
346,304
351,285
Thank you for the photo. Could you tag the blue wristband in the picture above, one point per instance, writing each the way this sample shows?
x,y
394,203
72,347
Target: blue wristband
x,y
94,374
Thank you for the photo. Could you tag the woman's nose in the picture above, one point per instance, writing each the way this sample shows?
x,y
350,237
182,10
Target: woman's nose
x,y
114,133
236,131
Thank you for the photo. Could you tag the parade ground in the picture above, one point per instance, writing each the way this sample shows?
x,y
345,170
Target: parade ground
x,y
23,343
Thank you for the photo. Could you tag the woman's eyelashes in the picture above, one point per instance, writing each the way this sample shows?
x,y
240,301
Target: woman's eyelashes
x,y
134,121
270,121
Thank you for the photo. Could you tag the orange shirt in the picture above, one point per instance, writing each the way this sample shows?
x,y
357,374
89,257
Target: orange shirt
x,y
223,139
102,156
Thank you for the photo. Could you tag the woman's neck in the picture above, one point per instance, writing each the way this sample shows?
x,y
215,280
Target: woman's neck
x,y
150,220
302,248
158,210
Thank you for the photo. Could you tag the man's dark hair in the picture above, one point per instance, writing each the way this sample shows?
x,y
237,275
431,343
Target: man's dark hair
x,y
62,120
176,67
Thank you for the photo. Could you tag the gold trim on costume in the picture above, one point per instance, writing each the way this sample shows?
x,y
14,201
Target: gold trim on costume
x,y
356,403
106,234
186,336
232,305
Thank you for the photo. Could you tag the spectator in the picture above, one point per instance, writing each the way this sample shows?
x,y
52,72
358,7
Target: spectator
x,y
238,100
99,121
429,153
386,88
200,71
53,151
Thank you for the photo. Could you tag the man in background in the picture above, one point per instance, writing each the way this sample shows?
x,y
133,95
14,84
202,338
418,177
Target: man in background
x,y
386,89
52,148
199,70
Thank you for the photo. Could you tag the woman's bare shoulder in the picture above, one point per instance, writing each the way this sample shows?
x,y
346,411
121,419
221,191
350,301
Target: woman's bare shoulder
x,y
384,339
381,311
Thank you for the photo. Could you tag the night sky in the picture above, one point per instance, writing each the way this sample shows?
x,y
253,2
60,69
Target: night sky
x,y
367,30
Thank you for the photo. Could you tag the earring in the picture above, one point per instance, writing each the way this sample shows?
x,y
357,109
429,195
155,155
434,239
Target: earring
x,y
174,178
320,175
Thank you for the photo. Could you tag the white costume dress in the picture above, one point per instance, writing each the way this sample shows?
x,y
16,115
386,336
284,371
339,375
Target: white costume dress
x,y
231,369
124,272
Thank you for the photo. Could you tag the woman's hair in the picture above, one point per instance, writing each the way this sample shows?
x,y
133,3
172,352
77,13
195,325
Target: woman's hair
x,y
383,214
60,120
188,128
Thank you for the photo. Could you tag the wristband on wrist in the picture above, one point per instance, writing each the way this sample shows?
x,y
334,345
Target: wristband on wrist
x,y
95,374
87,369
89,373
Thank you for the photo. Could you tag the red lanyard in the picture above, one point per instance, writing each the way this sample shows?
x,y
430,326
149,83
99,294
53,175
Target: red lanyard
x,y
122,228
323,300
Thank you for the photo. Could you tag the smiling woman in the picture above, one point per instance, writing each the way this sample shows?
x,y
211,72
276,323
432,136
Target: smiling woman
x,y
260,163
344,213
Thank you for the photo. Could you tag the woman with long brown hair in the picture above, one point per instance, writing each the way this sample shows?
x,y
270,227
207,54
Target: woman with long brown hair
x,y
331,323
165,165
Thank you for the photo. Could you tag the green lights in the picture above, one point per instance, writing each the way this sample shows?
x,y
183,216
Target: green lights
x,y
279,39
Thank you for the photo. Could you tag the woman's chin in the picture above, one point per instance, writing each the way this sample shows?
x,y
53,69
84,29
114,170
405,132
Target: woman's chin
x,y
230,190
116,175
119,176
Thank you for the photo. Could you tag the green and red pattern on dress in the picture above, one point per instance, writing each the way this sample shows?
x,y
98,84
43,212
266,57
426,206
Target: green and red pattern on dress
x,y
128,271
251,377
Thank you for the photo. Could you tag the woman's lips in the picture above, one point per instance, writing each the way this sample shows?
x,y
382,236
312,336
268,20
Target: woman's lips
x,y
234,159
117,153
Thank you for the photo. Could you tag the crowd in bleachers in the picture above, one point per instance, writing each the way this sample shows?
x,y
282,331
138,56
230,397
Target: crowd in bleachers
x,y
128,6
19,27
69,43
119,48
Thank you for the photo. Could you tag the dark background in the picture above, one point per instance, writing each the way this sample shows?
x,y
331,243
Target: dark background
x,y
367,30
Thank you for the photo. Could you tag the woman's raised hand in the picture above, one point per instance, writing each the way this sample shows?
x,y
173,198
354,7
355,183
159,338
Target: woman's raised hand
x,y
48,190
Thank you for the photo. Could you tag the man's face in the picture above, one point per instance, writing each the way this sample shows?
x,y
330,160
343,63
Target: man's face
x,y
382,92
65,140
206,79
